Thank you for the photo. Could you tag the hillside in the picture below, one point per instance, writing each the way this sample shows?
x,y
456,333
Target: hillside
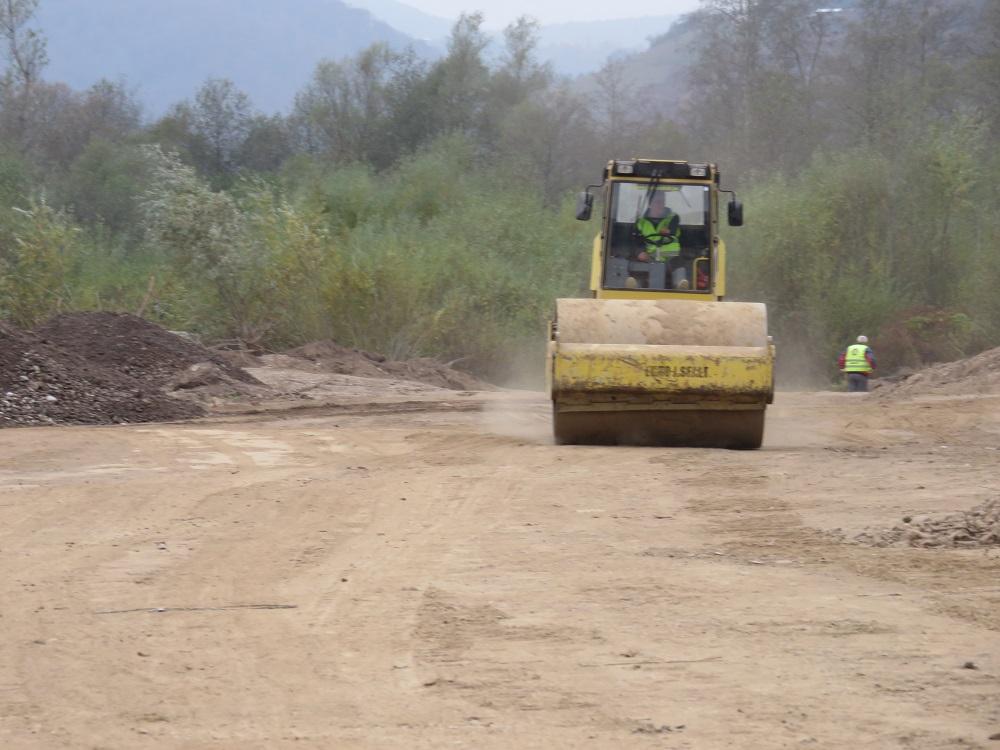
x,y
166,50
663,63
573,48
581,47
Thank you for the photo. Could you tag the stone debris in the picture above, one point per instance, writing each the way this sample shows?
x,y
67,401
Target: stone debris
x,y
975,528
44,384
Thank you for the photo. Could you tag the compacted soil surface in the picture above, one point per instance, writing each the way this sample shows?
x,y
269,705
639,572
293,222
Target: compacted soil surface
x,y
425,569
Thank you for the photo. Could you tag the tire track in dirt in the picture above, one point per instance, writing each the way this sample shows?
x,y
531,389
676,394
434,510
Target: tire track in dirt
x,y
521,595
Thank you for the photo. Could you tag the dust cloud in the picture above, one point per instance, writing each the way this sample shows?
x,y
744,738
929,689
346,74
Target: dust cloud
x,y
524,368
525,415
525,411
790,427
801,366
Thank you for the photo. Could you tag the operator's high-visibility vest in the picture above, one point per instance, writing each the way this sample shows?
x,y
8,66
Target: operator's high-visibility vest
x,y
855,360
650,230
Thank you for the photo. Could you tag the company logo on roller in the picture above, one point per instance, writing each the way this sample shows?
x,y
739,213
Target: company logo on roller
x,y
671,371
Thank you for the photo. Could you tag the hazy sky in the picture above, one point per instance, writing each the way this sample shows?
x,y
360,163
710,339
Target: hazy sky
x,y
502,12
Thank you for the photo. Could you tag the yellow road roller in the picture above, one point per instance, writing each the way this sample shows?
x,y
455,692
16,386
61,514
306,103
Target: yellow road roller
x,y
655,356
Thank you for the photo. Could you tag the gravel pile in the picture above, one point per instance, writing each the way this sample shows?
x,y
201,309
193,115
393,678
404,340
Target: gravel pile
x,y
108,368
41,383
979,527
132,346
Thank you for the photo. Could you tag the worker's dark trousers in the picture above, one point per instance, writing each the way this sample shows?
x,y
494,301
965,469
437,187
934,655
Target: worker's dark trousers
x,y
857,382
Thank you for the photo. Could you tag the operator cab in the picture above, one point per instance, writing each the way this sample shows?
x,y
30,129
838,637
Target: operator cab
x,y
638,259
660,230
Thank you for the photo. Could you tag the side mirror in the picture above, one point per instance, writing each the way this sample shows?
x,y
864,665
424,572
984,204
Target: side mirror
x,y
584,205
735,213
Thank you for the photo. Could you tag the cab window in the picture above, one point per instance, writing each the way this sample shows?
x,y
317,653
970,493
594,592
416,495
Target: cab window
x,y
659,238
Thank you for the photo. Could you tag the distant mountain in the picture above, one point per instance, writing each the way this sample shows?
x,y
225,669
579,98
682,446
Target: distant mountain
x,y
583,46
409,20
573,48
168,49
269,48
663,65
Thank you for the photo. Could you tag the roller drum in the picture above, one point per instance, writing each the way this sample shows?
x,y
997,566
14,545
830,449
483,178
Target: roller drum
x,y
660,372
661,322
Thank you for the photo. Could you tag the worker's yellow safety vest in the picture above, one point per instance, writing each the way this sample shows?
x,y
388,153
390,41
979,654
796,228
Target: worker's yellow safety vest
x,y
855,360
650,230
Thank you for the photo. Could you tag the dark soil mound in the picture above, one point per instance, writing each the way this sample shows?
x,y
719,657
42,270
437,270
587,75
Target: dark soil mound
x,y
131,346
979,527
331,357
43,384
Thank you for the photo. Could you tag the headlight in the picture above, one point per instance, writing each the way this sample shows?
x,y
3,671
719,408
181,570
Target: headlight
x,y
698,170
625,167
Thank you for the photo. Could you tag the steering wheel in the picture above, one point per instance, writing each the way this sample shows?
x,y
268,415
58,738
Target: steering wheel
x,y
659,239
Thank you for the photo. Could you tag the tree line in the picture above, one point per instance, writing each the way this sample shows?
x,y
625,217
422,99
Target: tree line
x,y
423,207
866,140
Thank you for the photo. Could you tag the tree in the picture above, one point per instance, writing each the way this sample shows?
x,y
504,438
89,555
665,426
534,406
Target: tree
x,y
891,87
220,118
349,109
25,49
553,138
175,134
985,68
614,99
104,184
268,144
458,82
26,55
519,75
65,121
110,111
757,74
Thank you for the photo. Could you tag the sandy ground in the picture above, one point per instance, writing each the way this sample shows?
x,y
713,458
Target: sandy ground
x,y
431,572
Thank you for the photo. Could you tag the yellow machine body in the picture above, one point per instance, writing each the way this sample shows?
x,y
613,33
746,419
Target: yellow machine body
x,y
644,363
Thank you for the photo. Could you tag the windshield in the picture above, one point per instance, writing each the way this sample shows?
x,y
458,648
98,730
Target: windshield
x,y
658,237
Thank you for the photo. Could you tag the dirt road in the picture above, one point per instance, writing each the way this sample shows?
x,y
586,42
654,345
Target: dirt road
x,y
436,574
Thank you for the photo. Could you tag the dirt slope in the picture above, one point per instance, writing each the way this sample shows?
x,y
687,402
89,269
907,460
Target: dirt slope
x,y
434,573
979,374
331,357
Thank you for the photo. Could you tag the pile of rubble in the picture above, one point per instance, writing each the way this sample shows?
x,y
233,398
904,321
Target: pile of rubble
x,y
978,527
42,383
110,368
979,374
131,346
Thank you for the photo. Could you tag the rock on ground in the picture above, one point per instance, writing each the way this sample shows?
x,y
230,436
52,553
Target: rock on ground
x,y
977,527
